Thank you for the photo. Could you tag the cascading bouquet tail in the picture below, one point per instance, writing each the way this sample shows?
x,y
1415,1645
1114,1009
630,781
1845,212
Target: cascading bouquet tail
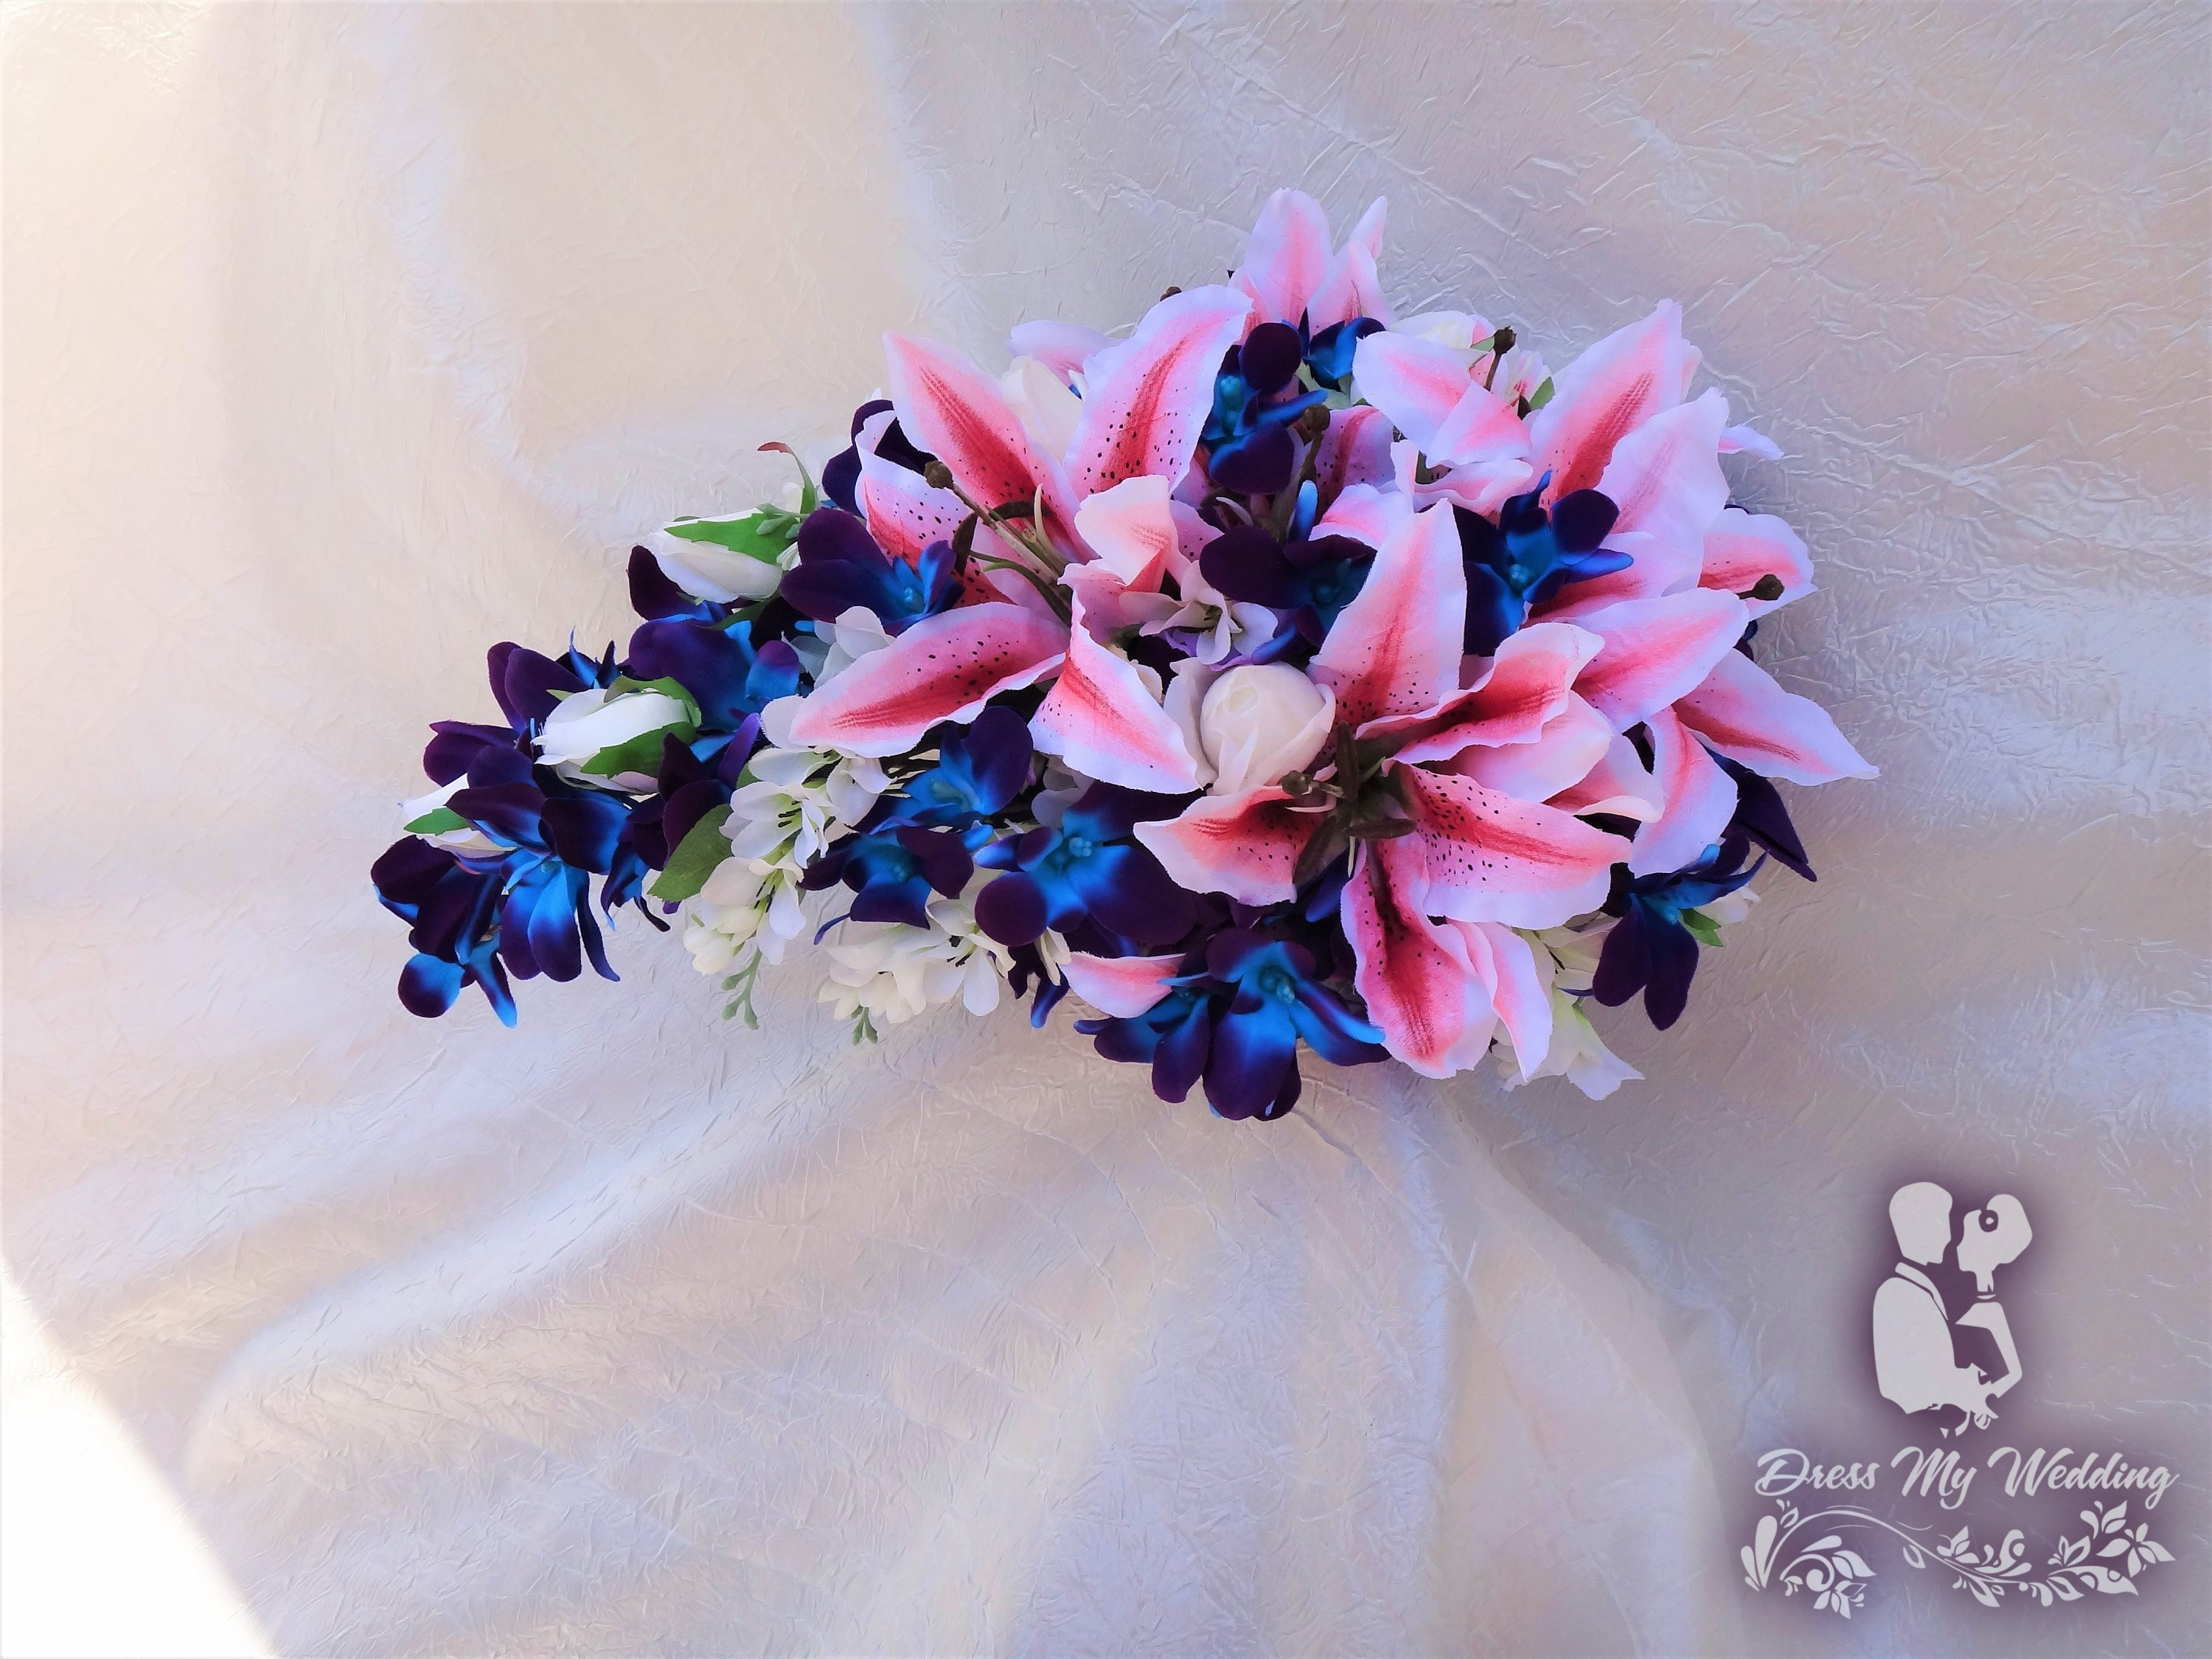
x,y
1281,674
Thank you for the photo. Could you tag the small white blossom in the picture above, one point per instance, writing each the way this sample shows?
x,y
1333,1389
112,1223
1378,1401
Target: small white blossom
x,y
779,823
1577,1053
893,971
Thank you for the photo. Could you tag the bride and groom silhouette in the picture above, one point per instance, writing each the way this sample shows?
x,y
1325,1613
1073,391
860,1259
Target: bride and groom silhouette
x,y
1926,1359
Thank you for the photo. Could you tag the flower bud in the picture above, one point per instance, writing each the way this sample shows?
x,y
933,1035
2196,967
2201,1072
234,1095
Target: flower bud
x,y
1260,722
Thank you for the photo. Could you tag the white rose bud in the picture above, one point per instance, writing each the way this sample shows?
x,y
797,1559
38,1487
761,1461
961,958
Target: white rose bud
x,y
583,724
1261,721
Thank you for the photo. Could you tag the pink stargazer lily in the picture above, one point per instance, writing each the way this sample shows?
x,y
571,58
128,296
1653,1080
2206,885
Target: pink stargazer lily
x,y
1146,403
1618,423
1290,272
1429,912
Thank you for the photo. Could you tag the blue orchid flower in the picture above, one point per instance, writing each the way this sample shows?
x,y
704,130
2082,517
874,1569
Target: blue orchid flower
x,y
1310,580
924,837
1528,556
1651,949
1246,435
1085,878
841,478
841,566
1235,1017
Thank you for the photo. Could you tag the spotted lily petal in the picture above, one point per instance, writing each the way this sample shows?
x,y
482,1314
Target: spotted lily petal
x,y
956,412
1419,984
945,667
1146,398
1102,720
1245,845
904,514
1396,648
1741,712
1484,856
1525,686
1606,393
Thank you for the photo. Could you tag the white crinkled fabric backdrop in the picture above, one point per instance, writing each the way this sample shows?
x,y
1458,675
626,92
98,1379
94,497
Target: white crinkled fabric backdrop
x,y
342,342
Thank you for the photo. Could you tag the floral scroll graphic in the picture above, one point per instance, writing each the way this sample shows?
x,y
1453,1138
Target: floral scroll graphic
x,y
2105,1561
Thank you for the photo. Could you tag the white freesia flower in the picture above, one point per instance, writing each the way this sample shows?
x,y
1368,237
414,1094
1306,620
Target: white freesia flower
x,y
1260,722
1216,626
468,841
893,971
586,722
796,798
779,822
1577,1053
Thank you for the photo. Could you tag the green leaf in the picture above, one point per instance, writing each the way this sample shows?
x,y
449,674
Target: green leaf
x,y
761,534
639,754
666,687
1543,395
1703,928
703,847
437,821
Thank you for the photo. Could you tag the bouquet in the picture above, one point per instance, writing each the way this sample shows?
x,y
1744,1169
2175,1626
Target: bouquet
x,y
1282,673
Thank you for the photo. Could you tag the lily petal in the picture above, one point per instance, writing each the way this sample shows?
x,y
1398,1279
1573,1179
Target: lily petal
x,y
1570,744
1484,856
1350,288
1245,845
1665,476
904,514
1740,547
1063,348
1355,450
1520,987
1700,799
1286,257
1120,986
1656,650
1147,398
956,412
1608,392
1416,382
1396,648
1525,686
1618,785
1104,720
944,667
1744,713
1419,984
1133,529
1482,427
1365,513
